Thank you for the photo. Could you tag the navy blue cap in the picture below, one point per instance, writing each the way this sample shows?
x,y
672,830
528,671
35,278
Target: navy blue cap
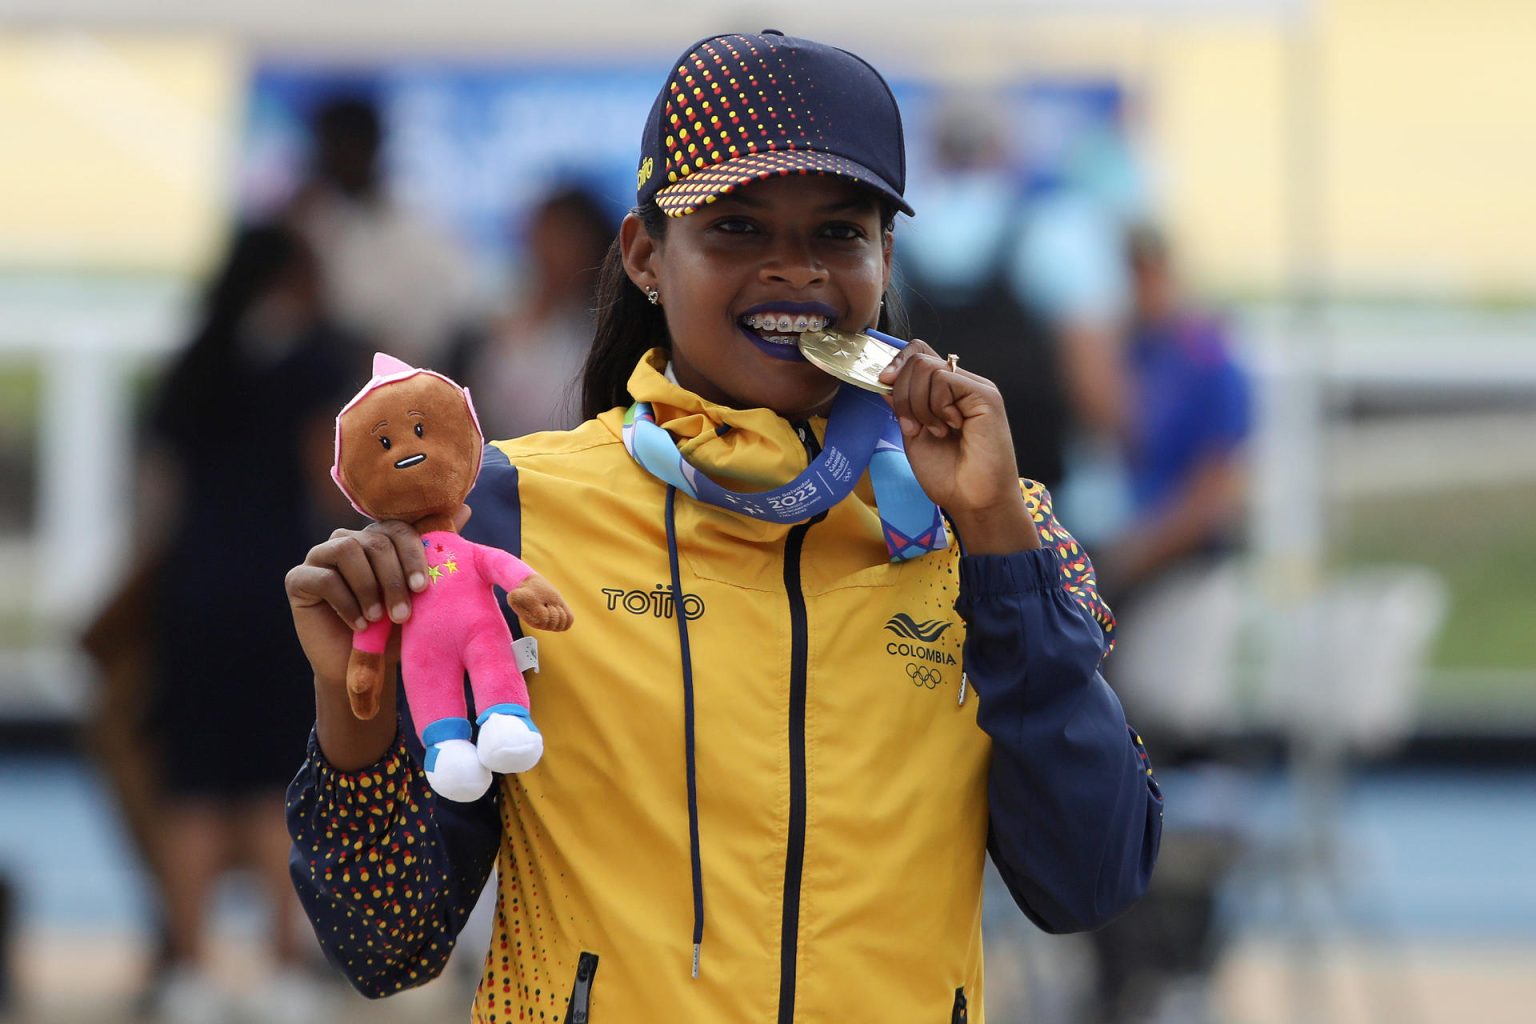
x,y
742,108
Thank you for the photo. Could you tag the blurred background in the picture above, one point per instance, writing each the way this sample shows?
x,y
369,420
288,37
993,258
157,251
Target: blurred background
x,y
1257,277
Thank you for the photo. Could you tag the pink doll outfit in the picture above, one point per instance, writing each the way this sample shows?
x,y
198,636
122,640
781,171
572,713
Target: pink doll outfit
x,y
456,625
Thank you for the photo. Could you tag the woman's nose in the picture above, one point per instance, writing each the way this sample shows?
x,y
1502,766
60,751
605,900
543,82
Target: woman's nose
x,y
794,262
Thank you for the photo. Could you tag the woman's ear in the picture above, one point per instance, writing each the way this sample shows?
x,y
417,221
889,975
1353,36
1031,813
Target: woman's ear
x,y
639,252
887,251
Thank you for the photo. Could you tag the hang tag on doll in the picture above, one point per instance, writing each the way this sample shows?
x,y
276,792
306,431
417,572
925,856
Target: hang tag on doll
x,y
525,650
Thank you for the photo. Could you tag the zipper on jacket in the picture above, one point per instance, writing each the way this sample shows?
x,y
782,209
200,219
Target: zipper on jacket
x,y
794,857
581,990
959,1015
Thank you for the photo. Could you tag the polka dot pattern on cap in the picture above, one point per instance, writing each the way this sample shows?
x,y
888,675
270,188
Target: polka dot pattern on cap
x,y
738,108
708,185
731,97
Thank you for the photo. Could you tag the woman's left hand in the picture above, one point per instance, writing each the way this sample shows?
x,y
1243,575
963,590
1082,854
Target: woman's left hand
x,y
957,440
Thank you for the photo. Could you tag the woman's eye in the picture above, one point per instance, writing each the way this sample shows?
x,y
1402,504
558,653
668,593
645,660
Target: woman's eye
x,y
419,431
844,232
735,226
385,442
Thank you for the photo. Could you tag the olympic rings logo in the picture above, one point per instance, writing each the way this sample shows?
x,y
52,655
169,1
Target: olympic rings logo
x,y
922,675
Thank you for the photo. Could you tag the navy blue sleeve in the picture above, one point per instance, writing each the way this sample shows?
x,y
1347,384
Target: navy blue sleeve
x,y
386,870
1076,816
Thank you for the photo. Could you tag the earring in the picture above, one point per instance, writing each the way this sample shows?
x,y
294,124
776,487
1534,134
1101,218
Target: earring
x,y
653,295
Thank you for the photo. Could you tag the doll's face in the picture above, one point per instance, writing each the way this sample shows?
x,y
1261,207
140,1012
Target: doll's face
x,y
410,449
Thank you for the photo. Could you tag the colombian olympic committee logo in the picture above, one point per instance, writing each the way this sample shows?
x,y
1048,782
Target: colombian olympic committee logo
x,y
922,675
919,639
919,645
928,632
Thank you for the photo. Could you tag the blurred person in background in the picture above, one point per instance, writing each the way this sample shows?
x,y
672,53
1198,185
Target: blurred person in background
x,y
1187,417
1068,265
116,730
1018,266
237,465
524,370
961,297
392,279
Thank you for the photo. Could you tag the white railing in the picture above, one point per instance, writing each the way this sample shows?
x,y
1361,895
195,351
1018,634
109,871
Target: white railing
x,y
87,343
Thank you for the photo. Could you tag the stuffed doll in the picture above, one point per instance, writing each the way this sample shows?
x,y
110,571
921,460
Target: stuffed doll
x,y
408,448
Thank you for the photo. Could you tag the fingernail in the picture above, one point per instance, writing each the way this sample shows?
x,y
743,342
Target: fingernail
x,y
400,612
909,427
360,624
375,612
418,580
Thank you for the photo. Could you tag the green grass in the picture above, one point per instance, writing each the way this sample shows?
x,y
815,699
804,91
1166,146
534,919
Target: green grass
x,y
1483,542
20,389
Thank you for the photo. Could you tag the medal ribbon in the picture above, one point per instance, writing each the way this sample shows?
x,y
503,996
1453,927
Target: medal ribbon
x,y
862,433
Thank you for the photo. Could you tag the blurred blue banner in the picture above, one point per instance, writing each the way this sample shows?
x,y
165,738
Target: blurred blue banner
x,y
474,145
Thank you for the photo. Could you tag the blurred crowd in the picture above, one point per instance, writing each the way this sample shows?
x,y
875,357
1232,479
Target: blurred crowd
x,y
199,730
1124,395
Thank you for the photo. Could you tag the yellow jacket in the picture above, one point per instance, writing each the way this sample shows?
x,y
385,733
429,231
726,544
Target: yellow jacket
x,y
832,865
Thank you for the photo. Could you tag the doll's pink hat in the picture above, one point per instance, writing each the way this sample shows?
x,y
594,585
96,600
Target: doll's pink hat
x,y
389,370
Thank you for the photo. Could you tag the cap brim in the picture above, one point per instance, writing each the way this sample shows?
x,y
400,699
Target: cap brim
x,y
690,194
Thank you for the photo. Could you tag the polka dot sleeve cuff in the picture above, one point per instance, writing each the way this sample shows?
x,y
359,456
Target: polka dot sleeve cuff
x,y
386,874
363,803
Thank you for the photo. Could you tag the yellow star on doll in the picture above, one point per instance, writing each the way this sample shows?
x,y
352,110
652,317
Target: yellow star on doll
x,y
434,572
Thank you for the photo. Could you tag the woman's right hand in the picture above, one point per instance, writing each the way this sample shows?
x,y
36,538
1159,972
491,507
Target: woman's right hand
x,y
355,578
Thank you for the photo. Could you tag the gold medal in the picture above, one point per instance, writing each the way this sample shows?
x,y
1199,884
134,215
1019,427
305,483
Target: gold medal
x,y
855,358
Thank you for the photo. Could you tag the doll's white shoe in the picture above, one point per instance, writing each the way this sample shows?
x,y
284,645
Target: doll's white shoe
x,y
509,741
454,771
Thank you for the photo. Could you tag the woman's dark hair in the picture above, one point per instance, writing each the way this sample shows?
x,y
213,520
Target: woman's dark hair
x,y
629,325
